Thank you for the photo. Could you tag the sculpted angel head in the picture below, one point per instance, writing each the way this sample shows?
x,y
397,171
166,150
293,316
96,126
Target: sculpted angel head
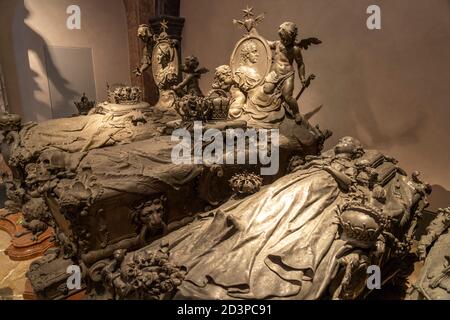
x,y
350,146
288,33
223,78
145,33
191,63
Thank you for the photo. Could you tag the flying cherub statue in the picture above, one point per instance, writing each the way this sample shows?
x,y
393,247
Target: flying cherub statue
x,y
287,50
190,84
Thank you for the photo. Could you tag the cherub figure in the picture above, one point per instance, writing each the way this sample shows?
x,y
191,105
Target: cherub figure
x,y
148,38
112,275
190,84
223,78
287,50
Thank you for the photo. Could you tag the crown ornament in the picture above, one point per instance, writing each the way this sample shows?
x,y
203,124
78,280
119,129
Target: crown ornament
x,y
218,103
163,35
214,107
84,105
362,222
124,95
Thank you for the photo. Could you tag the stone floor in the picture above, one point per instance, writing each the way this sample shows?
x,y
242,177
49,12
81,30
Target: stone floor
x,y
12,273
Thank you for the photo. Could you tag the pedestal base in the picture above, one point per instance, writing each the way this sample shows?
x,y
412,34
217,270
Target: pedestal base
x,y
29,294
23,248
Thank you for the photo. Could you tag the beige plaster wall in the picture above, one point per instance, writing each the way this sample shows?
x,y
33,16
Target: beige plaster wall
x,y
27,26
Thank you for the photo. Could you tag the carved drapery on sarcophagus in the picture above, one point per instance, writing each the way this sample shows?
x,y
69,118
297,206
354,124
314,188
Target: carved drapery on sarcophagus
x,y
348,209
96,245
39,155
106,200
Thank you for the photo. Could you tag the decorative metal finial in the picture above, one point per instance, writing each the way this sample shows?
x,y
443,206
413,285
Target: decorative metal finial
x,y
164,25
249,21
248,12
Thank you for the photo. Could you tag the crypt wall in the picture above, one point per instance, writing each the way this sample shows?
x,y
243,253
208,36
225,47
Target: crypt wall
x,y
32,75
388,87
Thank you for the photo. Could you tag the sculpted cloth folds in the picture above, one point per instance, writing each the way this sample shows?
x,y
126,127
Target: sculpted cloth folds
x,y
263,110
283,242
265,245
79,134
142,168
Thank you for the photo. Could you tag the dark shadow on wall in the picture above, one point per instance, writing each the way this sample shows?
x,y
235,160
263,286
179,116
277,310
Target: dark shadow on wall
x,y
439,198
363,113
7,57
31,41
409,133
355,80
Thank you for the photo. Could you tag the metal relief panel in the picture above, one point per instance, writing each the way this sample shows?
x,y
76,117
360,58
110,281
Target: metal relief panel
x,y
70,73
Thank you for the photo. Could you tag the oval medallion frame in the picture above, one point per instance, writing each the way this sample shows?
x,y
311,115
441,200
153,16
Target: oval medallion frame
x,y
264,60
173,63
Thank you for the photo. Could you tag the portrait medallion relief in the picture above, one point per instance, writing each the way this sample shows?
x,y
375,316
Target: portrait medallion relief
x,y
164,63
250,61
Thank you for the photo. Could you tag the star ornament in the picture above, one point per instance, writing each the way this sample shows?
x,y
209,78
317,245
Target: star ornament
x,y
248,12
